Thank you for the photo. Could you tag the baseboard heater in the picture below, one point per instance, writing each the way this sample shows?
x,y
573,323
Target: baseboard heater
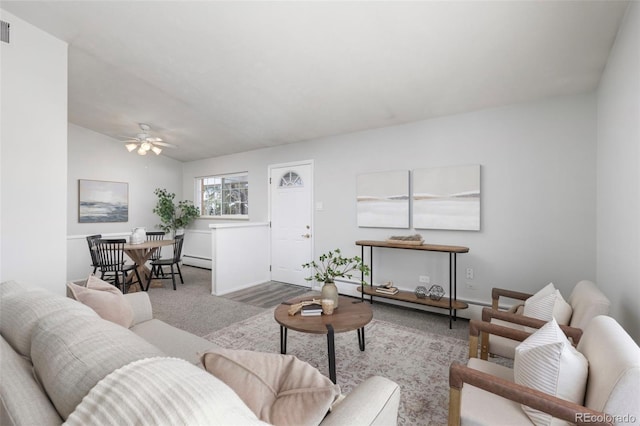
x,y
200,262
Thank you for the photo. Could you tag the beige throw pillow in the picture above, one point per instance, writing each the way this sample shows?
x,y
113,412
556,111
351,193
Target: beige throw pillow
x,y
546,361
105,299
279,389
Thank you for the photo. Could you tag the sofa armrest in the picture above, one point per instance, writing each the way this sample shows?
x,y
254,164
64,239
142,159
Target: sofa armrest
x,y
374,402
141,306
460,374
497,292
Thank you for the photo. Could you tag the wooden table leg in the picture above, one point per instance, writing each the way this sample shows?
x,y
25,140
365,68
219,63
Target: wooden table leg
x,y
140,257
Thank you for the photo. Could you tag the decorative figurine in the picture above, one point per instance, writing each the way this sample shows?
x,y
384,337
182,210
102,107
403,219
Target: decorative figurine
x,y
421,292
436,292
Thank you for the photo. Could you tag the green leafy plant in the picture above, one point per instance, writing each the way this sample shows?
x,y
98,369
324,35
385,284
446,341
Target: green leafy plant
x,y
173,216
332,264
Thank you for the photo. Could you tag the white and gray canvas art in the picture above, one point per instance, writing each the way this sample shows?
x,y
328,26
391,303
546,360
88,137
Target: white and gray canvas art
x,y
447,198
383,199
101,201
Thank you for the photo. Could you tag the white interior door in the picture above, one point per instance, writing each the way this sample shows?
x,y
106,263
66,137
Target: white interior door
x,y
291,195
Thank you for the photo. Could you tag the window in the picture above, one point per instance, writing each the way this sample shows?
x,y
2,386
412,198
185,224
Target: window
x,y
223,195
290,179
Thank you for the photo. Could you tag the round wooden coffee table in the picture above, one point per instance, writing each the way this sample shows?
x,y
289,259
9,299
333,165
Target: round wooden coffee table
x,y
352,314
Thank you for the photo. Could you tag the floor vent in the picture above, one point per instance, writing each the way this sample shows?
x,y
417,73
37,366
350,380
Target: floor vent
x,y
5,31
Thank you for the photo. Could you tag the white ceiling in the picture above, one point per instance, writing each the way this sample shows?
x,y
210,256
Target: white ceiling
x,y
217,78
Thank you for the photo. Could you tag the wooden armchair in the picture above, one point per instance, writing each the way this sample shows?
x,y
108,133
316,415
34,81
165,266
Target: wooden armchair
x,y
586,300
484,393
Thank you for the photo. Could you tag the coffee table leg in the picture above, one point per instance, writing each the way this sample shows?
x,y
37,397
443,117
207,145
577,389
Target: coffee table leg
x,y
283,340
361,338
332,353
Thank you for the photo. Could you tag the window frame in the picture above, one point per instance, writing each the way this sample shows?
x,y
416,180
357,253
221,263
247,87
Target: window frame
x,y
199,198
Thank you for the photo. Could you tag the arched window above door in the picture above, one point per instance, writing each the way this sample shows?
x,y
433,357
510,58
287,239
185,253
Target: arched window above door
x,y
290,179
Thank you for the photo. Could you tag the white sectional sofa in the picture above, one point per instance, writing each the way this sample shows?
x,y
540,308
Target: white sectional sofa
x,y
55,352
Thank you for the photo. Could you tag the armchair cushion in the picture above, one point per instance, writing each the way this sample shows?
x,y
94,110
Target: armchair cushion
x,y
546,361
503,411
279,389
587,302
614,368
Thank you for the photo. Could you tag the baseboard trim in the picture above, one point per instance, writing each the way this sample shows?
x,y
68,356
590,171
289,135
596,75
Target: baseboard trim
x,y
200,262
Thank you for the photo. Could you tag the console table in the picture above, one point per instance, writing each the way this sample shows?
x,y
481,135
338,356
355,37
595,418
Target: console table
x,y
451,303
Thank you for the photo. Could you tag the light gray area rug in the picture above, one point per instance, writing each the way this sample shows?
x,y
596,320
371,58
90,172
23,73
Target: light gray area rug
x,y
417,360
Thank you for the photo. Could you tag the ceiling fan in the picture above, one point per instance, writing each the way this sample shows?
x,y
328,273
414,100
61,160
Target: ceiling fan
x,y
144,142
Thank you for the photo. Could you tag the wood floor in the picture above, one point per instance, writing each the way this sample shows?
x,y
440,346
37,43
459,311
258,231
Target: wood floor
x,y
267,295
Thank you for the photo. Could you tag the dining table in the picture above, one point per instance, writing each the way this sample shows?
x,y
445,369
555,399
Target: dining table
x,y
140,254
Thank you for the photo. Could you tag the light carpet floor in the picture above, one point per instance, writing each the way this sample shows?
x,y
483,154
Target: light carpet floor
x,y
192,308
417,360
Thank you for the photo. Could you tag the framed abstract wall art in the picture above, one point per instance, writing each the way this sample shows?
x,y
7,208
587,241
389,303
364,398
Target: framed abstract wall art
x,y
383,199
447,198
102,201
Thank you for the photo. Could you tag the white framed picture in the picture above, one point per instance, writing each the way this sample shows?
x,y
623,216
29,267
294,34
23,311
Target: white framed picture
x,y
383,199
447,198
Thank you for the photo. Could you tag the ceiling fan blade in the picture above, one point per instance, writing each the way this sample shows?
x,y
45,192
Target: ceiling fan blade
x,y
153,140
167,145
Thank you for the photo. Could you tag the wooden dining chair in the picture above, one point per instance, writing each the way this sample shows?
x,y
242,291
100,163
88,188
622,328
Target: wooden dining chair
x,y
112,264
157,265
91,241
156,236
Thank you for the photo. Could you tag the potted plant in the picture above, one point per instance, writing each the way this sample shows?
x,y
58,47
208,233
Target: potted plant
x,y
331,265
172,216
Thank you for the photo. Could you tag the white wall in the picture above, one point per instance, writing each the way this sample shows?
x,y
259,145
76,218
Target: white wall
x,y
33,157
238,257
538,199
618,235
98,157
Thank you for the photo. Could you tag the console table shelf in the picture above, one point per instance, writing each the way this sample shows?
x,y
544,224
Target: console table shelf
x,y
451,303
407,296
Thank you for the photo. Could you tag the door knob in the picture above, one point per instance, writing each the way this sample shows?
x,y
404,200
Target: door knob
x,y
306,235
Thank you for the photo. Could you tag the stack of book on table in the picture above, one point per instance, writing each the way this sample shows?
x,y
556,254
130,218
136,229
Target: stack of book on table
x,y
311,310
387,288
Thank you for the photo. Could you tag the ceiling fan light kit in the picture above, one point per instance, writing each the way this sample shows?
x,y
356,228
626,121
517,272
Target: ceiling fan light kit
x,y
143,142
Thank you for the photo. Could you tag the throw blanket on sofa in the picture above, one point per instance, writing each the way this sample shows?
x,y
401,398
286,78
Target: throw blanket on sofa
x,y
161,391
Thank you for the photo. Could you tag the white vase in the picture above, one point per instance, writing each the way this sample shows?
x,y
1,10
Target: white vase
x,y
138,236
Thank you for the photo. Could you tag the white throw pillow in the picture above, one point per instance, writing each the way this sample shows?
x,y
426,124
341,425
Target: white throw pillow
x,y
546,304
540,307
562,311
547,362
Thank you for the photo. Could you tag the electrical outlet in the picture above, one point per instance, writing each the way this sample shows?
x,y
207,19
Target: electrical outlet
x,y
469,273
424,279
